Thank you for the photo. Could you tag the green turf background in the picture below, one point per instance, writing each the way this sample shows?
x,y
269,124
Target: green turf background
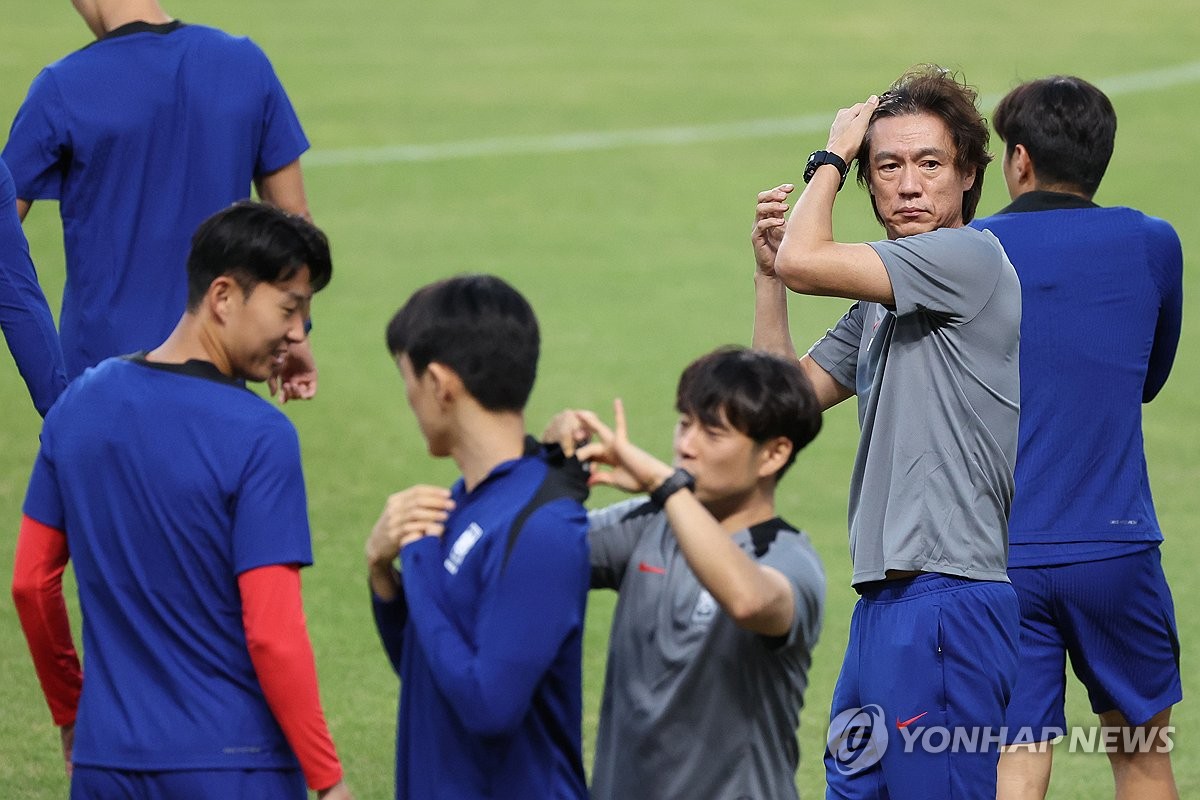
x,y
635,257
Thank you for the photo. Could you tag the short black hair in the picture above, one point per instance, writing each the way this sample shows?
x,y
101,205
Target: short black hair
x,y
255,243
931,89
760,394
480,327
1067,125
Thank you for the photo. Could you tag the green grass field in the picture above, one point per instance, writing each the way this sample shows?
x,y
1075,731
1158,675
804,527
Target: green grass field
x,y
441,144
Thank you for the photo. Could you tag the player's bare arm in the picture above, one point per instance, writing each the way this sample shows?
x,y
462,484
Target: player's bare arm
x,y
771,330
284,188
809,260
758,598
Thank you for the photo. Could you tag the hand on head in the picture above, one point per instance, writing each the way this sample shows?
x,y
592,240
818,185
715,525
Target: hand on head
x,y
849,128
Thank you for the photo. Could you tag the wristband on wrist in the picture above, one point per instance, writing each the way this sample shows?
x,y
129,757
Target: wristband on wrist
x,y
679,479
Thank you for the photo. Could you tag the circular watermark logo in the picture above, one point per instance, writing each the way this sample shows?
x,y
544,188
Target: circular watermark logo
x,y
857,738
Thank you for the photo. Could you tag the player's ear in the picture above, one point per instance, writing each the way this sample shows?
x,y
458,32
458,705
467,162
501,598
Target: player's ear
x,y
1020,163
447,385
968,180
221,295
773,454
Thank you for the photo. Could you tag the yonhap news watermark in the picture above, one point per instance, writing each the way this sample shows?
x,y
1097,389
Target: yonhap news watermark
x,y
858,738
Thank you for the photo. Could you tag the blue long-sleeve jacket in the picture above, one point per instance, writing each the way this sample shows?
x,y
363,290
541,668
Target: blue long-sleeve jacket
x,y
487,640
24,314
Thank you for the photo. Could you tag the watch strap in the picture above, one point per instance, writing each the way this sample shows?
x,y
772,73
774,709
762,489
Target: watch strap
x,y
822,157
679,479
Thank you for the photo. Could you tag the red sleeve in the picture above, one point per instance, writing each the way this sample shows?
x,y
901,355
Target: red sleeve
x,y
37,592
277,636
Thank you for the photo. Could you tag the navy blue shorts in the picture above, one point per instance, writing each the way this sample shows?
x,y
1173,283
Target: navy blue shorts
x,y
930,663
1116,620
96,783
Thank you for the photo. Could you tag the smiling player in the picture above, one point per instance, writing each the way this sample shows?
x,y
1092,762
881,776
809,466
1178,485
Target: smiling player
x,y
178,493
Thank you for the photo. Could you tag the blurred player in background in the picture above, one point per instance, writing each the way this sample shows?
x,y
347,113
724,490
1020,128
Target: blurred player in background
x,y
483,620
930,349
140,136
24,314
1103,297
178,494
720,600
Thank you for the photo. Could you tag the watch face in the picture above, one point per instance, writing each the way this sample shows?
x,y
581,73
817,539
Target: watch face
x,y
820,158
815,160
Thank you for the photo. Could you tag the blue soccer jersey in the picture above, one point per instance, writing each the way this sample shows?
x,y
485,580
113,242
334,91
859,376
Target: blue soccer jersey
x,y
141,136
1102,297
487,640
170,481
24,314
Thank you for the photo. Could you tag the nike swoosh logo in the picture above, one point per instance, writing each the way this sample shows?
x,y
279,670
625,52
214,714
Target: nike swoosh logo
x,y
644,567
909,721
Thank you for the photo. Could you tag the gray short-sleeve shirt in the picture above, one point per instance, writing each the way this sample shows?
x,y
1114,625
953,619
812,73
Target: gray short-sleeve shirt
x,y
938,396
695,706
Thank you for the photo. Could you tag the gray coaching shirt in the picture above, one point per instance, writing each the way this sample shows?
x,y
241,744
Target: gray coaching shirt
x,y
694,706
938,396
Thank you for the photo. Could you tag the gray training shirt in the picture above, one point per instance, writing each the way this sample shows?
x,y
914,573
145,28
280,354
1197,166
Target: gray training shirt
x,y
938,395
694,706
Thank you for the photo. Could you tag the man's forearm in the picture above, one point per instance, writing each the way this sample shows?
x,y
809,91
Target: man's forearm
x,y
754,598
771,331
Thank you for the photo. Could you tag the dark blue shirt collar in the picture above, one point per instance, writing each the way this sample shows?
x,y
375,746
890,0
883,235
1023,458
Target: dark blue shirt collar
x,y
1046,201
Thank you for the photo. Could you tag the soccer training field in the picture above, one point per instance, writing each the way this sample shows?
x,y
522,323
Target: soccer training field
x,y
604,158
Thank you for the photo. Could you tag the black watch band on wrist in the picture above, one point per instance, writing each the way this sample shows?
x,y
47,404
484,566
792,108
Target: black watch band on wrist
x,y
822,157
680,479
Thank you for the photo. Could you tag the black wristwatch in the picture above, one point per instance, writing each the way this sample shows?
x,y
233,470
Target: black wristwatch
x,y
825,157
680,479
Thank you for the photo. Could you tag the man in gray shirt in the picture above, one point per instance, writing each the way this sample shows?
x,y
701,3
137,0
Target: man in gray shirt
x,y
720,599
930,349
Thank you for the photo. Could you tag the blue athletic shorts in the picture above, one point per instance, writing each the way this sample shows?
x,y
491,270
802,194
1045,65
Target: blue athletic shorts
x,y
930,663
1116,620
96,783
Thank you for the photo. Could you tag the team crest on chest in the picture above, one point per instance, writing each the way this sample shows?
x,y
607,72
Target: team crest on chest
x,y
462,545
705,610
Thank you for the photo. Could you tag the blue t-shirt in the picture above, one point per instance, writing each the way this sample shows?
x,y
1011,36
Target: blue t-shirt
x,y
170,481
1102,295
487,640
24,313
141,136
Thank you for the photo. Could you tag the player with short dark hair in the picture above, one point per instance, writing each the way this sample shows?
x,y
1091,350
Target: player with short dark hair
x,y
24,314
720,600
483,620
141,136
178,494
1064,123
930,348
488,335
1103,297
263,246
